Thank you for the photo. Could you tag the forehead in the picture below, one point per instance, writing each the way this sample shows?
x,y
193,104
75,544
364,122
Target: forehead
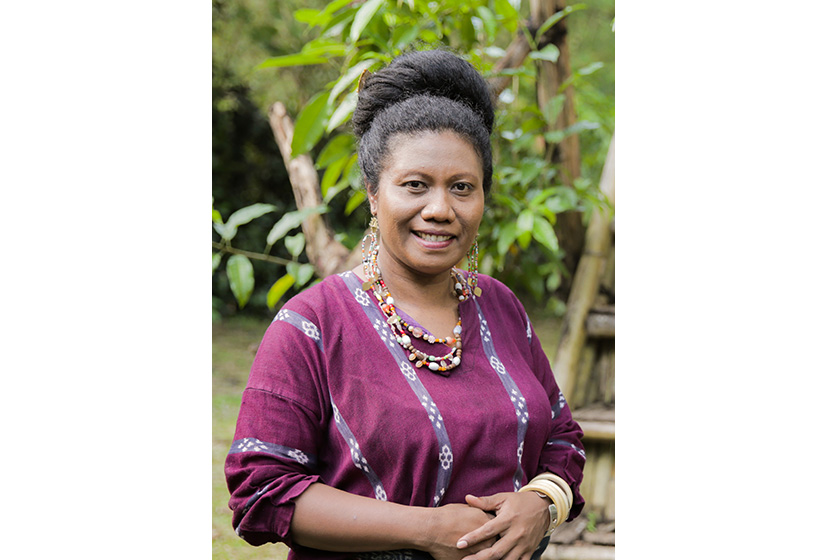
x,y
443,148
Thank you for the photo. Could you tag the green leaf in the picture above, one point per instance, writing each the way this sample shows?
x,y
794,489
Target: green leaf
x,y
331,176
298,59
510,16
507,235
549,52
339,147
488,18
544,234
354,202
525,222
363,17
245,215
290,221
350,77
295,244
310,124
217,260
302,273
217,217
240,275
557,17
311,17
278,289
240,217
344,111
403,36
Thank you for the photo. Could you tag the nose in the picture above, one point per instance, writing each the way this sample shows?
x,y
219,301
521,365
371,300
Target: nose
x,y
438,207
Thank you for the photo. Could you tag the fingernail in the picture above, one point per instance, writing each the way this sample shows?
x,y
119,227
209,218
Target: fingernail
x,y
462,544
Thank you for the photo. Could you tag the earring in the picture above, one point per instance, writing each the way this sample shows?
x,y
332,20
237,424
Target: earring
x,y
371,239
472,268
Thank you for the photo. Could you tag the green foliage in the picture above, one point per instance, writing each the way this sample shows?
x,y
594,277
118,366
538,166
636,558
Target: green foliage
x,y
518,237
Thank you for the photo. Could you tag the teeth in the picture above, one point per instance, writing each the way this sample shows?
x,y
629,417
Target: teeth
x,y
428,237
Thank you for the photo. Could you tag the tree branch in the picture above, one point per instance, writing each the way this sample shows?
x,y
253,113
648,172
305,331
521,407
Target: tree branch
x,y
250,254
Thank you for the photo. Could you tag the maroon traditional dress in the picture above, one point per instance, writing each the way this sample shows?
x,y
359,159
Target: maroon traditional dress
x,y
333,397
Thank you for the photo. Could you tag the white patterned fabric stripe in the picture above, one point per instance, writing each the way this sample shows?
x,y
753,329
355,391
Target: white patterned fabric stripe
x,y
375,316
306,327
253,444
516,398
356,454
580,451
558,406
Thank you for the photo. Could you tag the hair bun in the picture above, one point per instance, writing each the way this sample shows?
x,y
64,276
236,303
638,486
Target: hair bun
x,y
436,73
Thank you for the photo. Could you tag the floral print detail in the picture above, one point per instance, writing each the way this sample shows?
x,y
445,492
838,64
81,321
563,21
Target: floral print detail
x,y
282,315
408,371
497,365
445,457
255,445
362,297
311,330
299,456
380,493
251,444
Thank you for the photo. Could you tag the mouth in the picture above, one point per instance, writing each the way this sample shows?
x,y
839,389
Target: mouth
x,y
434,238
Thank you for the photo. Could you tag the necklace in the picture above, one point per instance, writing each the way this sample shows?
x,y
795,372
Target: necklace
x,y
404,332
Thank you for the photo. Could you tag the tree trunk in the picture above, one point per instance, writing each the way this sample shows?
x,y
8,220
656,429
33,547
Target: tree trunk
x,y
327,255
566,154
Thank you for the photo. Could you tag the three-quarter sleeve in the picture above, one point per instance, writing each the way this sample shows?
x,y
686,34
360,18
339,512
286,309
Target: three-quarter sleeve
x,y
563,453
273,458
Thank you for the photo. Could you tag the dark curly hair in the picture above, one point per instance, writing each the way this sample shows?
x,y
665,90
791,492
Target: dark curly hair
x,y
418,92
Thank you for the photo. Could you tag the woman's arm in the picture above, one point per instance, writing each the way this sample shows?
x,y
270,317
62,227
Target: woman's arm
x,y
330,519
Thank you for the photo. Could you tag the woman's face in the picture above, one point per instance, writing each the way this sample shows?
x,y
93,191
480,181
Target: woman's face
x,y
429,202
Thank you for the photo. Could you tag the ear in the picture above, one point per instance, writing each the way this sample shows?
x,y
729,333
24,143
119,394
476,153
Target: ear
x,y
372,198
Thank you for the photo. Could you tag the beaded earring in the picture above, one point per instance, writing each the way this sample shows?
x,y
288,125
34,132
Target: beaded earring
x,y
371,239
472,268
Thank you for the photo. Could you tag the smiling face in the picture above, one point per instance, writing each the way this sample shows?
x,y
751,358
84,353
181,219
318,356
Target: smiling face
x,y
428,203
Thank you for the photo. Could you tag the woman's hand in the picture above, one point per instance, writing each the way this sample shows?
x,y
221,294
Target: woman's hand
x,y
521,521
446,526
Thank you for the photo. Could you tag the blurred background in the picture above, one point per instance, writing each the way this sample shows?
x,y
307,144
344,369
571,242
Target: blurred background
x,y
284,79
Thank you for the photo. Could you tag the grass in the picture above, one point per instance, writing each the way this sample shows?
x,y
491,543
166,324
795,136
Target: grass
x,y
235,341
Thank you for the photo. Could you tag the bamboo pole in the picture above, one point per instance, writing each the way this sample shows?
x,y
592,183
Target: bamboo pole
x,y
585,284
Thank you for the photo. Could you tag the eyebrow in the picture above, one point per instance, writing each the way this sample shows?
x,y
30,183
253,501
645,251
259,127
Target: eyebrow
x,y
465,176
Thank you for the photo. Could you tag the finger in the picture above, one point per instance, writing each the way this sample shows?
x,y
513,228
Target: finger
x,y
489,530
486,503
498,551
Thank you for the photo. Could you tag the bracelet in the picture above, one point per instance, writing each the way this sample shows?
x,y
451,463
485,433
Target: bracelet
x,y
558,510
555,494
567,491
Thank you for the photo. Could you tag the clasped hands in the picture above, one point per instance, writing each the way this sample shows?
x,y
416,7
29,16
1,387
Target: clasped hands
x,y
504,526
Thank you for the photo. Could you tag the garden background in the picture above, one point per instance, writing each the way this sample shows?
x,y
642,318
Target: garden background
x,y
284,77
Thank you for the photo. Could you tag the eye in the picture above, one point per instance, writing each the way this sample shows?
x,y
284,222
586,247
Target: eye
x,y
414,185
462,187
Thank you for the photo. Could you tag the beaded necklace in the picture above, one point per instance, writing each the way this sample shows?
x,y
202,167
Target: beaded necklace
x,y
401,329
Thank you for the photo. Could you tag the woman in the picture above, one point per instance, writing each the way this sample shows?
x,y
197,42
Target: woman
x,y
407,405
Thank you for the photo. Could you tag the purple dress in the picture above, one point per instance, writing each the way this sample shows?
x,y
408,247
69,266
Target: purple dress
x,y
332,397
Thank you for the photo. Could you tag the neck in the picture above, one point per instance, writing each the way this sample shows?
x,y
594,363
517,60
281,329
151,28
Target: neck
x,y
413,289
